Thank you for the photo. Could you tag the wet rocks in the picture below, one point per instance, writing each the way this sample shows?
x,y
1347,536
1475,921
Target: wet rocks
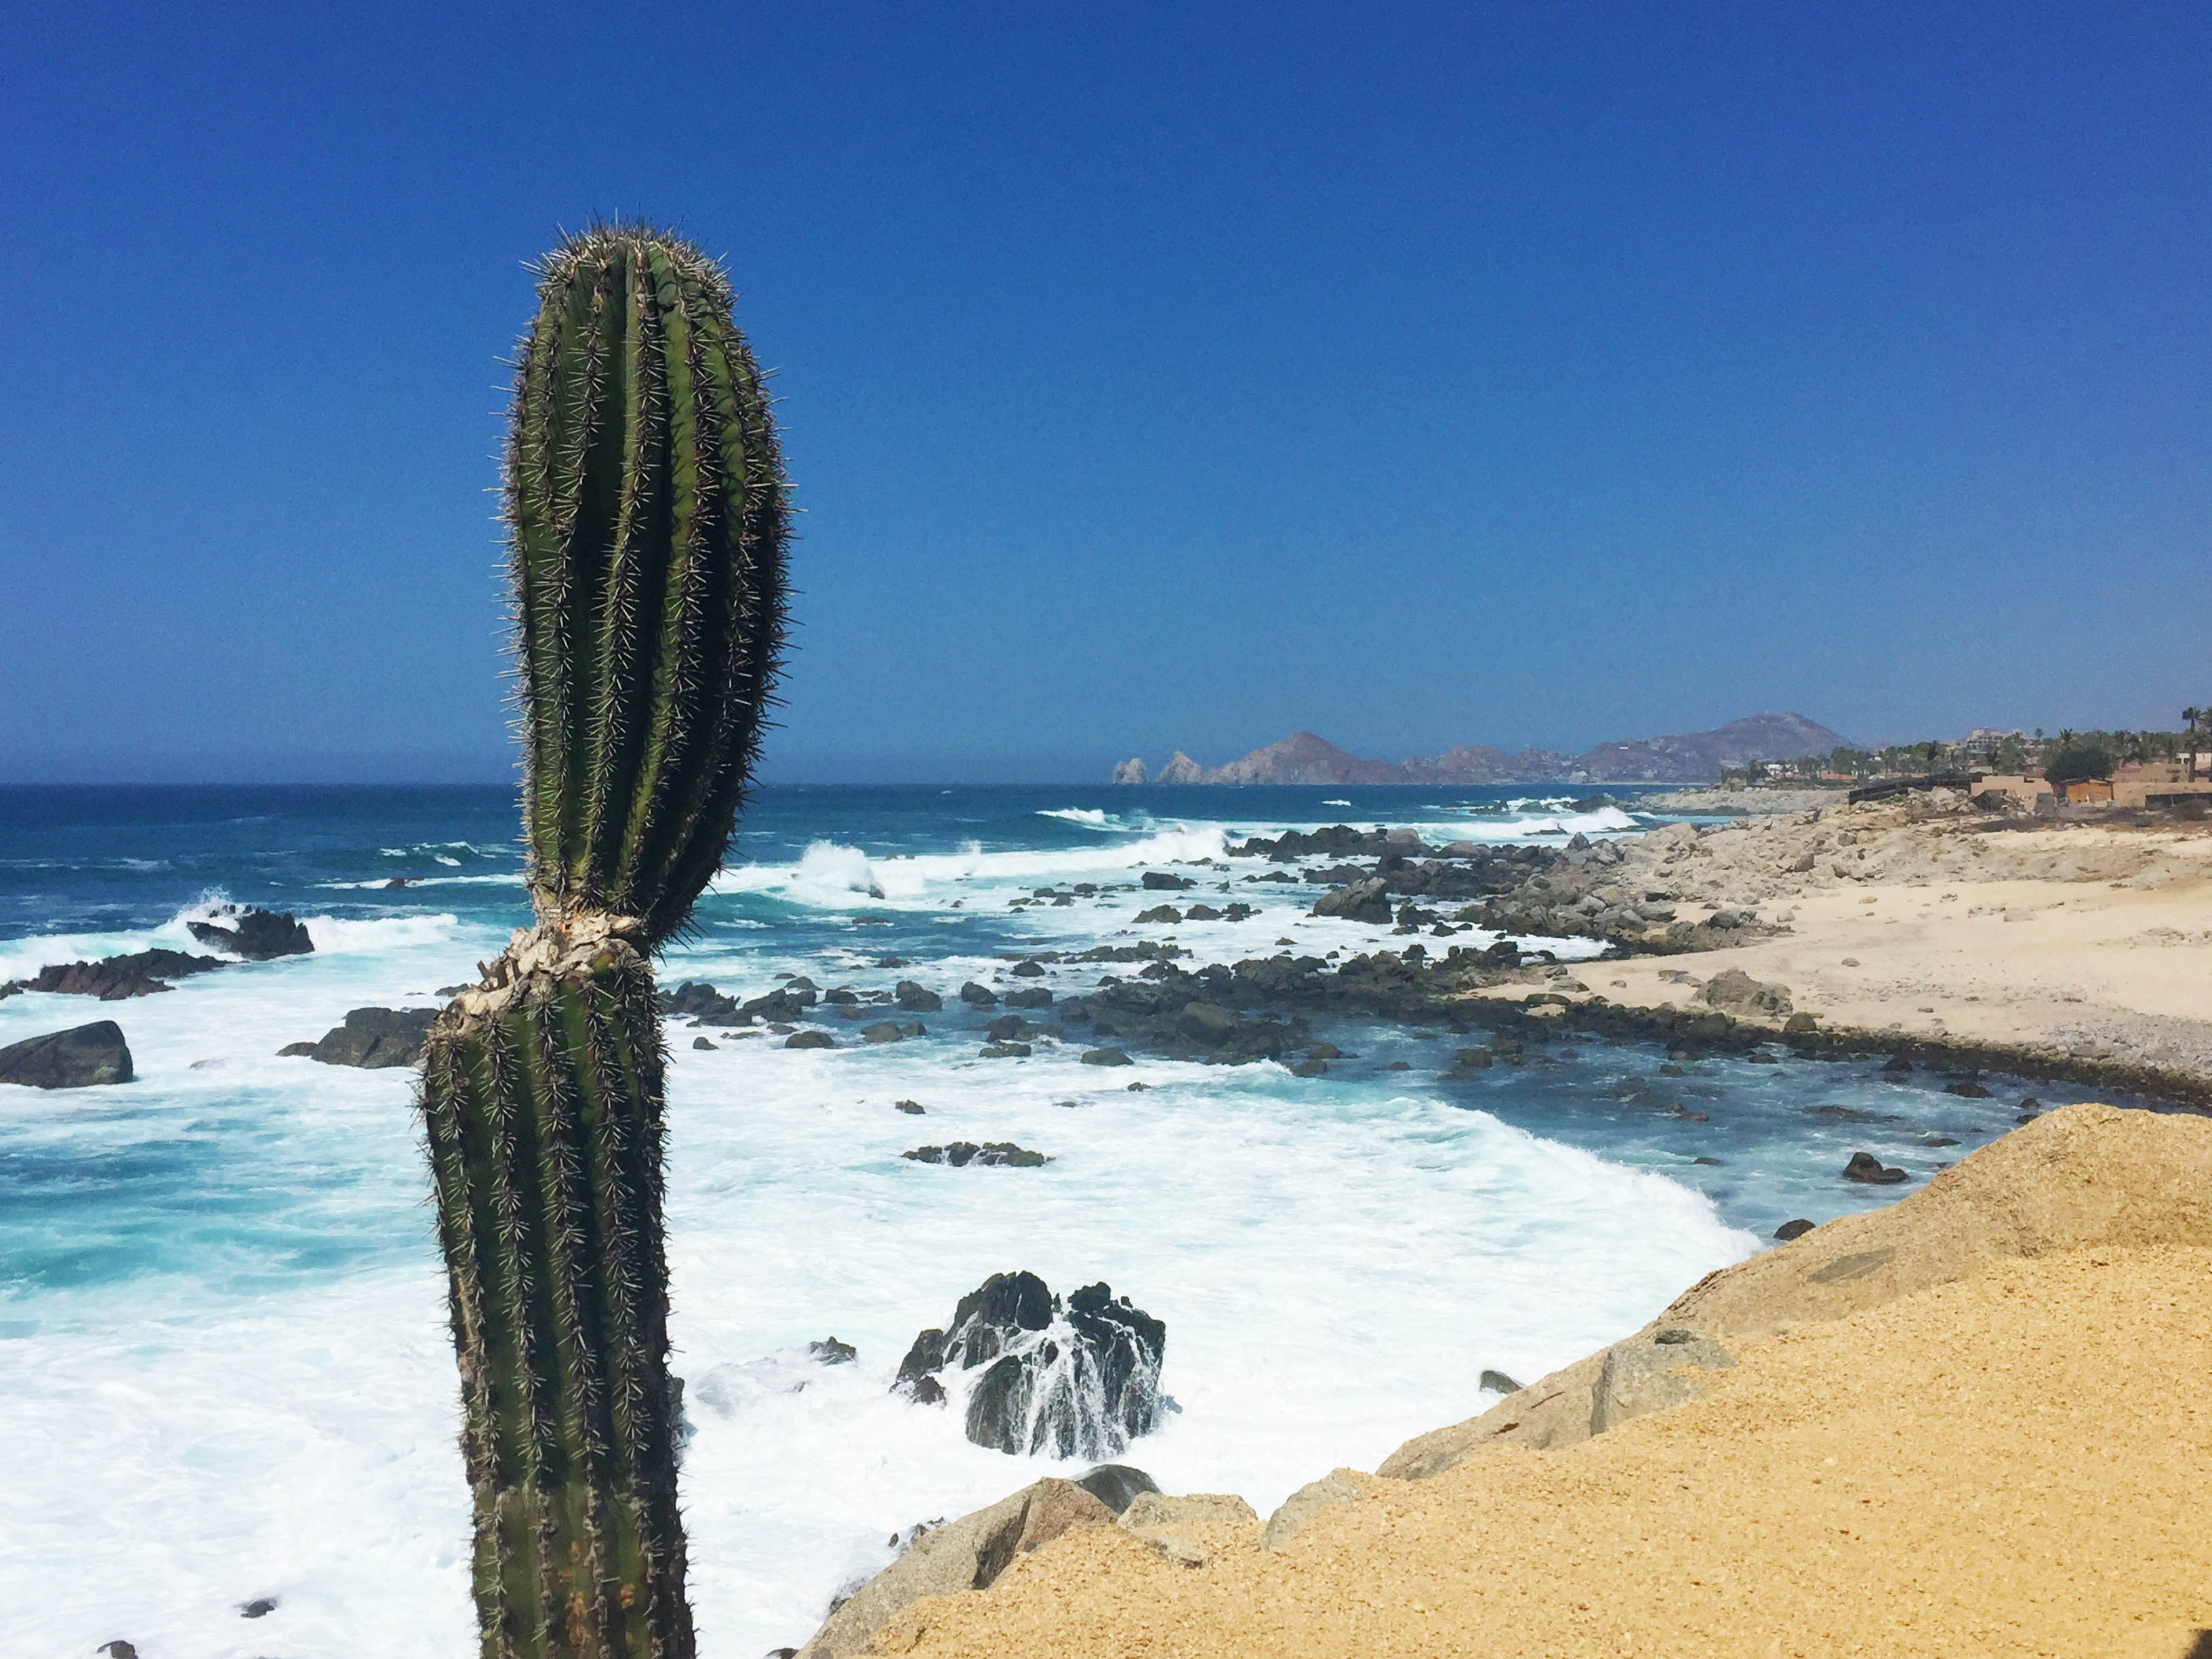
x,y
1000,1154
1166,914
810,1040
114,979
978,996
696,1000
1073,1378
1106,1057
884,1030
374,1039
82,1057
1363,901
1034,996
1790,1230
255,934
1158,881
916,998
1865,1168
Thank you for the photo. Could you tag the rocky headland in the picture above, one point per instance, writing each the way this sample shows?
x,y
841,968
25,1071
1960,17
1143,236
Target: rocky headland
x,y
1683,757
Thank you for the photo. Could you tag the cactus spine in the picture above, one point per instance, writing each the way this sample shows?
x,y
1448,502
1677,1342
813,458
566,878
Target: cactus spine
x,y
648,522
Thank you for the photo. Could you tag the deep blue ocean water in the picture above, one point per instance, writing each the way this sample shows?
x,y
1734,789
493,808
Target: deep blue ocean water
x,y
221,1309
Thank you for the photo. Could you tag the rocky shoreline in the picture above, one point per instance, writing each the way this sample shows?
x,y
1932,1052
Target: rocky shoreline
x,y
1791,1457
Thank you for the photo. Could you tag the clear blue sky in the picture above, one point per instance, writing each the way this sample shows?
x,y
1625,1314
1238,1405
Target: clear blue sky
x,y
1152,375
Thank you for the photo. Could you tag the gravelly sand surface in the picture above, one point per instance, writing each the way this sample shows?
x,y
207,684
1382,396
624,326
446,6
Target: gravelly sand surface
x,y
2013,1463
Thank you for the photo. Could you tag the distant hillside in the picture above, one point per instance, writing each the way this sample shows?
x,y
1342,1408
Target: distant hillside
x,y
1685,758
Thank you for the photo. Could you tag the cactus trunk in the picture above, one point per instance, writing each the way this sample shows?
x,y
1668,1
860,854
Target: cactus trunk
x,y
646,512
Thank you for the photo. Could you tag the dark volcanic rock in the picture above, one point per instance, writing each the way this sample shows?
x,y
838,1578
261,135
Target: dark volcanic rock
x,y
1157,882
1363,901
1866,1167
1159,913
112,979
372,1038
257,935
1790,1230
1079,1378
1117,1486
810,1040
978,996
1106,1057
991,1153
917,998
79,1057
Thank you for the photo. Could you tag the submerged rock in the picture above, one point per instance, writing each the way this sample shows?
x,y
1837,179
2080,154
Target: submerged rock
x,y
992,1153
82,1057
1866,1167
1073,1378
255,934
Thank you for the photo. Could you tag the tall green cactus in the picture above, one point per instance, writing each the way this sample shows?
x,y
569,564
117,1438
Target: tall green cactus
x,y
648,520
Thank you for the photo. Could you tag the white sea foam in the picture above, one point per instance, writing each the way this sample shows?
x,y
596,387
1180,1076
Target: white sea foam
x,y
842,878
1335,1264
1092,818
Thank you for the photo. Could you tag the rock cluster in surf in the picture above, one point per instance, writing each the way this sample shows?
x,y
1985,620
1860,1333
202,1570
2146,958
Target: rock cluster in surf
x,y
1077,1377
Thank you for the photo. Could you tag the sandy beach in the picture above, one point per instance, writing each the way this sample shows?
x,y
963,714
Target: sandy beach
x,y
2081,941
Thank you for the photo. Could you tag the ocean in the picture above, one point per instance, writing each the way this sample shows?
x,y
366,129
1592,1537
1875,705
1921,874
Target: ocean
x,y
223,1347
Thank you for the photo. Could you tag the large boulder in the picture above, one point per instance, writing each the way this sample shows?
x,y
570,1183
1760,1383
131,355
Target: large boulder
x,y
79,1057
371,1038
257,935
1073,1378
967,1554
1735,992
1363,901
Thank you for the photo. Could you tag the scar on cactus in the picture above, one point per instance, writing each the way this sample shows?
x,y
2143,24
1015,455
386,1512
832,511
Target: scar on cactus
x,y
647,523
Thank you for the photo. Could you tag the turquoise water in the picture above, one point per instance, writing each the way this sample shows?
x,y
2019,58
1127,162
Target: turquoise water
x,y
221,1321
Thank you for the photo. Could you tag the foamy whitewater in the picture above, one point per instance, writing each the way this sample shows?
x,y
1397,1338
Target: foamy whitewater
x,y
222,1324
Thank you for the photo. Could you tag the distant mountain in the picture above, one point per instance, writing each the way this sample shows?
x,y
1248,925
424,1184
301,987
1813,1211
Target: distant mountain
x,y
1302,757
1685,758
1696,757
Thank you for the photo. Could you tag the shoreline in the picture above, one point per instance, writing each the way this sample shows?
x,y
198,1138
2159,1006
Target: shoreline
x,y
1921,929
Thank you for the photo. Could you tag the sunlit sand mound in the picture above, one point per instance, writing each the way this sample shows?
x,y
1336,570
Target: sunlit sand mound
x,y
1995,1440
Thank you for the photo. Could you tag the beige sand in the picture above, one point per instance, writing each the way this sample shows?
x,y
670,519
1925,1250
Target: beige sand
x,y
2015,1463
2086,940
1998,1442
